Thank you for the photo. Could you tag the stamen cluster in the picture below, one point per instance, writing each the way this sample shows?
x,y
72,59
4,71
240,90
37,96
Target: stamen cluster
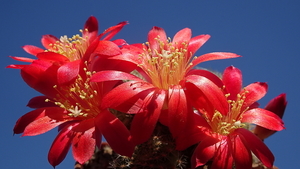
x,y
167,64
73,48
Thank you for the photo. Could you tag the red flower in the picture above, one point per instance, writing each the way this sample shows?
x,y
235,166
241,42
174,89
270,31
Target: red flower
x,y
66,49
159,95
219,125
71,101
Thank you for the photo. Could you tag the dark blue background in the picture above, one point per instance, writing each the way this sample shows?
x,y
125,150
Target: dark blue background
x,y
265,33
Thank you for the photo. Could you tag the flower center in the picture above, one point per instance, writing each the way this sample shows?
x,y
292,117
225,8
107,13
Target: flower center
x,y
73,48
167,64
225,124
81,98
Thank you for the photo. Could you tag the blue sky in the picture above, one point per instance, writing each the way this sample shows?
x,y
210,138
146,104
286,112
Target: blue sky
x,y
266,33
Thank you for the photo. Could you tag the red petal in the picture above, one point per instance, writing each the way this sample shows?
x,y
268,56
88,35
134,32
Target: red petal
x,y
182,36
261,151
83,142
92,26
113,75
117,63
154,33
115,132
241,154
29,117
212,92
232,79
144,122
120,42
22,59
52,57
205,151
223,157
60,146
209,75
112,31
33,50
49,40
197,131
197,42
177,111
41,75
68,72
39,102
263,118
277,106
214,56
15,66
131,92
107,48
48,118
254,92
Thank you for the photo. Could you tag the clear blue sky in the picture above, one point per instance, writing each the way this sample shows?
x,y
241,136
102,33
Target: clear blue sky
x,y
266,33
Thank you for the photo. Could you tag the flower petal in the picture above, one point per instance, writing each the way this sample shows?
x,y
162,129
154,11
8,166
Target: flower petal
x,y
241,153
196,42
48,118
254,92
33,50
15,66
115,132
131,92
277,106
32,116
223,157
107,48
232,79
210,91
68,72
22,59
112,31
263,118
121,62
154,33
214,56
144,122
110,75
182,36
41,75
197,131
83,142
60,146
204,152
261,151
52,57
209,75
91,25
48,41
177,110
39,102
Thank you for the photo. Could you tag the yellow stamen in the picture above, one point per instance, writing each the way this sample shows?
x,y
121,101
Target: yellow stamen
x,y
80,98
167,65
225,124
73,48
